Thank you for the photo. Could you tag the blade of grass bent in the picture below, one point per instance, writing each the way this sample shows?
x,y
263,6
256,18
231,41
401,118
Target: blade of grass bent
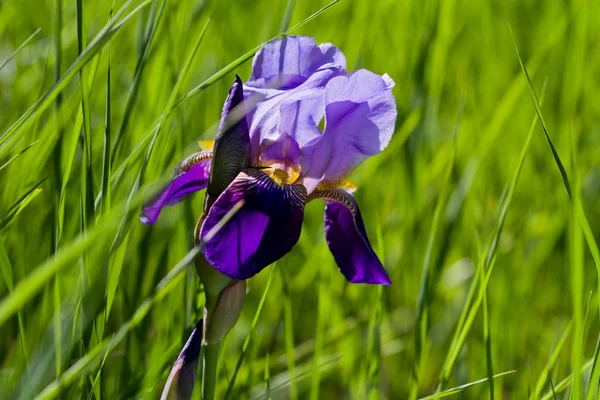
x,y
585,226
578,206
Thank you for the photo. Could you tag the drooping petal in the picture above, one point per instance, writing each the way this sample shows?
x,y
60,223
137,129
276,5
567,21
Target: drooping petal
x,y
347,239
231,153
180,383
287,62
265,228
360,115
189,176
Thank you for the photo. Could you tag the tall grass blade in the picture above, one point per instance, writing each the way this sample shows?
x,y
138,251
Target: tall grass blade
x,y
424,299
470,310
585,225
562,385
154,19
90,51
545,374
95,355
240,360
24,44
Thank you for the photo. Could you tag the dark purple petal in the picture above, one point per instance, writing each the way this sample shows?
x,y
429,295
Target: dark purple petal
x,y
288,62
191,178
180,383
265,228
231,153
347,239
360,115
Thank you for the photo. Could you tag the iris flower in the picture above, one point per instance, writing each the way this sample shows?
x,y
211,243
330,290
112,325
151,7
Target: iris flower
x,y
271,156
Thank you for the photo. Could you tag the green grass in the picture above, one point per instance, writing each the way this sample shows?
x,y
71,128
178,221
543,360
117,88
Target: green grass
x,y
488,224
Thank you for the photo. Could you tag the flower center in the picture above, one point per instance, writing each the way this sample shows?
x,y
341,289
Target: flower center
x,y
282,156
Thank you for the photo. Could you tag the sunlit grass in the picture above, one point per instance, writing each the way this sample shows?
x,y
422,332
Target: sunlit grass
x,y
483,207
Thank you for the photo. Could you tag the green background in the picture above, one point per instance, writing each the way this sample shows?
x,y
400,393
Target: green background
x,y
78,271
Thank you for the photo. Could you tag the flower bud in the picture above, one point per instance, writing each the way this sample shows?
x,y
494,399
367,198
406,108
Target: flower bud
x,y
224,297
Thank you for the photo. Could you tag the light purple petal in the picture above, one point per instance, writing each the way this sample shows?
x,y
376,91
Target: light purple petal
x,y
297,111
284,150
190,180
347,239
360,115
266,227
180,383
231,153
300,119
287,62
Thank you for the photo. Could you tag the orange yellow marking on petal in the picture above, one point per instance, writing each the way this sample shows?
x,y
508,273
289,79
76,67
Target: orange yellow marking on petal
x,y
206,144
344,184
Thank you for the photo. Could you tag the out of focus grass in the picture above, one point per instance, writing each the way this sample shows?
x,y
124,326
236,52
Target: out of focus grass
x,y
96,305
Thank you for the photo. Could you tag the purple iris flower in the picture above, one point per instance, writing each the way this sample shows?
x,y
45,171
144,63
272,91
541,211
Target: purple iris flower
x,y
271,153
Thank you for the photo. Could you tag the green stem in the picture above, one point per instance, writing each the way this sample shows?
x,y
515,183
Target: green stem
x,y
210,356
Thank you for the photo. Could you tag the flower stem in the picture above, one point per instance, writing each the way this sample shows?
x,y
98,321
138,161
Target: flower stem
x,y
210,356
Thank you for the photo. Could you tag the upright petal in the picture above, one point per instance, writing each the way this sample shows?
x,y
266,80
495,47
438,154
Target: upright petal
x,y
180,383
360,115
189,176
347,239
231,153
297,111
287,62
265,228
283,150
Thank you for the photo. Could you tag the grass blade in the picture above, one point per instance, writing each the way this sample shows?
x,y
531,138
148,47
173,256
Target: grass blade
x,y
154,19
85,364
545,374
20,204
249,334
585,225
460,388
90,51
470,310
424,299
24,44
19,154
